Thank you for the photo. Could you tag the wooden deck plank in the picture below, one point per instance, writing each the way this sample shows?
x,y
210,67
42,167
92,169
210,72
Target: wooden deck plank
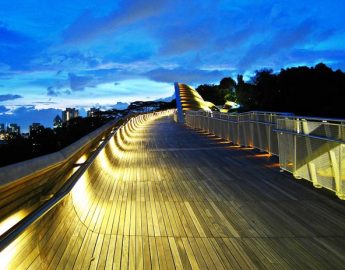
x,y
176,199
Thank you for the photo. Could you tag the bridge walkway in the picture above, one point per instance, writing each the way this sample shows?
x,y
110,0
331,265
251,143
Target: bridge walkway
x,y
174,198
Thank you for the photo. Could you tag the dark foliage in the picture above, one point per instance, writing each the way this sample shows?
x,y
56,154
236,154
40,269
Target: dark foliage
x,y
218,94
308,91
212,93
315,91
47,140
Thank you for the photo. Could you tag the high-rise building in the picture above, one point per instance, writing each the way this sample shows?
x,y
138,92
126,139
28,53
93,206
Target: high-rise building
x,y
2,128
69,114
35,128
93,112
57,122
13,129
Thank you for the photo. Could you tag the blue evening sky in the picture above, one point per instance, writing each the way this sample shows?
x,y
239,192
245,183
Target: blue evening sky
x,y
84,53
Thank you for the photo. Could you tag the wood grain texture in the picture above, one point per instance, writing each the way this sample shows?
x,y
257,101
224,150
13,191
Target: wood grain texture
x,y
167,197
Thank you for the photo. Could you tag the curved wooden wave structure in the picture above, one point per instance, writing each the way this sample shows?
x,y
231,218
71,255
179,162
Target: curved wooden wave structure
x,y
161,196
27,185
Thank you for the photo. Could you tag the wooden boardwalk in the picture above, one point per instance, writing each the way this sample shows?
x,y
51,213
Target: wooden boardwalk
x,y
174,198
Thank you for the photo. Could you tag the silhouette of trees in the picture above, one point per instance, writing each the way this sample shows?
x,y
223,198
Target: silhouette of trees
x,y
218,94
314,91
46,140
308,91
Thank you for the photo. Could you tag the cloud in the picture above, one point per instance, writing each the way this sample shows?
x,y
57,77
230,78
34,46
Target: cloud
x,y
52,91
120,105
44,102
73,82
17,50
312,55
190,76
78,83
186,38
3,109
26,115
9,97
136,39
88,26
272,50
11,37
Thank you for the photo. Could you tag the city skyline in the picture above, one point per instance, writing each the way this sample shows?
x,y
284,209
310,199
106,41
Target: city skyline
x,y
94,53
63,116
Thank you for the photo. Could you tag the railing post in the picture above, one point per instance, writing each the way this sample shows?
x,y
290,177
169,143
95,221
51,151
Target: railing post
x,y
296,122
270,125
340,190
228,129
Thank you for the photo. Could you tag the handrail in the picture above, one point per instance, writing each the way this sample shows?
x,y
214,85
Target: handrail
x,y
309,135
315,118
16,230
315,151
32,166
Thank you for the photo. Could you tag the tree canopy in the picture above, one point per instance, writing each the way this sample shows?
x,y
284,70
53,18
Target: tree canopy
x,y
308,91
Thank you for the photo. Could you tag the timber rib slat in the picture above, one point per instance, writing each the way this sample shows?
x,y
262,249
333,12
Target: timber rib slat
x,y
166,197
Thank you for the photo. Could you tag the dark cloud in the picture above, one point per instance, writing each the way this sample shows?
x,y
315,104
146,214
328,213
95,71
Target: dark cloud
x,y
26,115
17,50
88,26
185,41
64,60
120,105
273,49
11,37
3,109
78,83
74,82
52,91
190,76
9,97
312,55
67,92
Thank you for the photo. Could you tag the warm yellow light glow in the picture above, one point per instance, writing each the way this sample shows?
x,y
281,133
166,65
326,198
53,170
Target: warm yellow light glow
x,y
79,162
7,255
267,155
274,165
234,146
81,196
247,148
191,99
11,221
115,150
103,162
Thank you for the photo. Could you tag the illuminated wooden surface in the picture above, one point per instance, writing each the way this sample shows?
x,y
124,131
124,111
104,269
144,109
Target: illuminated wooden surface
x,y
171,198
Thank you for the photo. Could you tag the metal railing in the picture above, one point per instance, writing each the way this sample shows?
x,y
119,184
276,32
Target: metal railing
x,y
308,147
314,149
252,129
17,229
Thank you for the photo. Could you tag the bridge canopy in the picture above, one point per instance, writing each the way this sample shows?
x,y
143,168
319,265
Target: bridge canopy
x,y
187,99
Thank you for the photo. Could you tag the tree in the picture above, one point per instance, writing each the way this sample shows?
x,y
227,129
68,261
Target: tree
x,y
218,94
314,91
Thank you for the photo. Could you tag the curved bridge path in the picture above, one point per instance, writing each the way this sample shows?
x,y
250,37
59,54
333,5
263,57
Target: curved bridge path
x,y
168,197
